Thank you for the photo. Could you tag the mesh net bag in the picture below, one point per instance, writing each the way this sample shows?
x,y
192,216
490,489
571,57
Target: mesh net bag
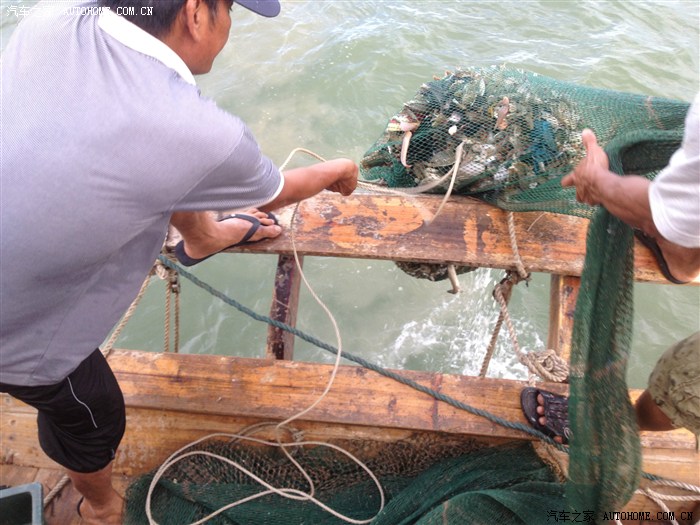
x,y
508,136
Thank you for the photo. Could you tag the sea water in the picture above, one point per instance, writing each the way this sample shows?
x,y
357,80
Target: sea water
x,y
326,75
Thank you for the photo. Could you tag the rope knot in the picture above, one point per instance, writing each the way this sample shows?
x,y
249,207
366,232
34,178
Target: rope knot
x,y
547,364
171,276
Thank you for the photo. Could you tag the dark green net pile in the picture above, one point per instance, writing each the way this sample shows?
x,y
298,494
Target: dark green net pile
x,y
509,136
425,483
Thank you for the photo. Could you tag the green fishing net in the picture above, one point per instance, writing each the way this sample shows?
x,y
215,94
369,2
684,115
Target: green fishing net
x,y
425,483
506,136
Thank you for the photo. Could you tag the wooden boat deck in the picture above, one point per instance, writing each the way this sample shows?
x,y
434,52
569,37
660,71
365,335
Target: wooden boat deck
x,y
173,399
226,394
62,510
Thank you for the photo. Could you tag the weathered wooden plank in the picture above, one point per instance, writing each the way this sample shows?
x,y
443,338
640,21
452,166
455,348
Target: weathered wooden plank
x,y
256,388
12,475
277,390
467,232
153,434
62,509
253,389
285,299
563,292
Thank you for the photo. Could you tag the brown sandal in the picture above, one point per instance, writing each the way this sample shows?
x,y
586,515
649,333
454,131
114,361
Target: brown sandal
x,y
555,412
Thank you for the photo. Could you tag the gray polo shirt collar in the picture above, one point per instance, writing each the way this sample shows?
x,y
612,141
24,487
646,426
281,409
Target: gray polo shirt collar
x,y
139,40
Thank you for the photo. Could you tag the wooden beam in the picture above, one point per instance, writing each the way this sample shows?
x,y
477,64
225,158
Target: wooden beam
x,y
210,389
467,232
563,292
285,301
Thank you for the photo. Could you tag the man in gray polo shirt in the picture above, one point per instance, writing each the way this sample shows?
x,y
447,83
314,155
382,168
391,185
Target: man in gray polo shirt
x,y
105,141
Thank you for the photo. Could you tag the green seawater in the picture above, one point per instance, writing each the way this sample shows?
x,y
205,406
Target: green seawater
x,y
326,75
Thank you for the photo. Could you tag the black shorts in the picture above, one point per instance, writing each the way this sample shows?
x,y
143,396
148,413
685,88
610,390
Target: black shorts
x,y
81,419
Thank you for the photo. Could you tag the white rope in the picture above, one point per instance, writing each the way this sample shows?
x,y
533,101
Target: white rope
x,y
522,272
679,485
546,363
107,348
423,188
660,498
284,492
279,429
56,490
172,297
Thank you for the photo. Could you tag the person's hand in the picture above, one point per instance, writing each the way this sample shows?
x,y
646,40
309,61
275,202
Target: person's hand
x,y
590,172
347,172
338,175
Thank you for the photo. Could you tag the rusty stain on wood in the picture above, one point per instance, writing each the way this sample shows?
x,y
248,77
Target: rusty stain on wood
x,y
468,232
285,300
563,293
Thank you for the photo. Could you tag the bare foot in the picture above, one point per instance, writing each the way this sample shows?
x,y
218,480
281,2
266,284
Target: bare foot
x,y
219,235
109,514
683,263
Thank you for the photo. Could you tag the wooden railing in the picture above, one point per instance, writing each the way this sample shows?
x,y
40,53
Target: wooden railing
x,y
466,232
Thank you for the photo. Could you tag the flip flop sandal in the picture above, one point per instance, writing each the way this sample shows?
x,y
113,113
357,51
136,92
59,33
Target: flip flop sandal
x,y
186,260
556,411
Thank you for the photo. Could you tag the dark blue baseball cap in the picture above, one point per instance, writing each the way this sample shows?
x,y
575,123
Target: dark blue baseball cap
x,y
268,8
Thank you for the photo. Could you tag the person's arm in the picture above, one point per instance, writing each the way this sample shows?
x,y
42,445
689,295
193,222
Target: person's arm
x,y
204,235
338,175
626,197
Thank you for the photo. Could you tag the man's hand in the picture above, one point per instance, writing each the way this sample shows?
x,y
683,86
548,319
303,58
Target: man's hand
x,y
347,172
338,175
591,173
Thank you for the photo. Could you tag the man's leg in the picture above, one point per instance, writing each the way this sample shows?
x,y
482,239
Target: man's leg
x,y
102,504
672,399
683,263
649,415
81,421
204,235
